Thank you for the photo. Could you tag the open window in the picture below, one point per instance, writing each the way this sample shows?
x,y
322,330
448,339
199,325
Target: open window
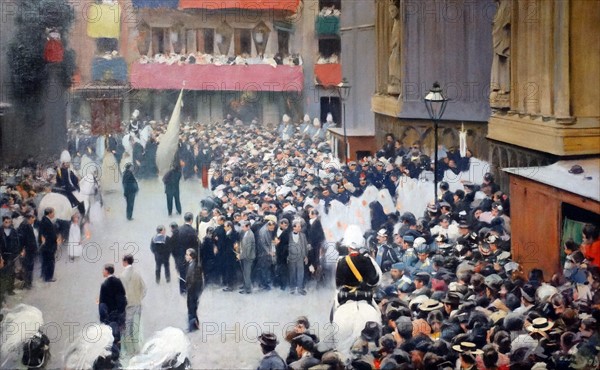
x,y
160,39
329,3
201,40
144,38
243,41
283,43
330,46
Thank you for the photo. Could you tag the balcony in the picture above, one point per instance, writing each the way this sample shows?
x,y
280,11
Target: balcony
x,y
210,77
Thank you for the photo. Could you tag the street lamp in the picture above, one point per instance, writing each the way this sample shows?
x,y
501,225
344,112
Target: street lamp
x,y
435,102
344,88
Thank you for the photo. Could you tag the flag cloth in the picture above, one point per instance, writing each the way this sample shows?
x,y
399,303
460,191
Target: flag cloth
x,y
169,141
463,143
104,20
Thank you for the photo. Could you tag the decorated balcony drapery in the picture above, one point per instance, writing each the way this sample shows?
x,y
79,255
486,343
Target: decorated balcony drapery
x,y
328,74
210,77
114,69
104,20
284,5
327,25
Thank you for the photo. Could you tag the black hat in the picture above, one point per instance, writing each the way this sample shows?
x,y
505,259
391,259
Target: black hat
x,y
576,170
452,298
528,293
371,331
268,339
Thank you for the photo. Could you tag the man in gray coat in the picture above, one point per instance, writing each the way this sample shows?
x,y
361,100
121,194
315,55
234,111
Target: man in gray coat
x,y
246,255
297,258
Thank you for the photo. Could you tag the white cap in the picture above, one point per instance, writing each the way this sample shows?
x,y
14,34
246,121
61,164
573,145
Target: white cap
x,y
419,242
306,118
353,237
329,118
65,157
286,118
316,122
135,114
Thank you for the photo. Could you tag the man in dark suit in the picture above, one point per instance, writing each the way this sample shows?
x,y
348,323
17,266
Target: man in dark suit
x,y
130,189
171,180
194,281
316,239
188,238
49,244
30,246
112,302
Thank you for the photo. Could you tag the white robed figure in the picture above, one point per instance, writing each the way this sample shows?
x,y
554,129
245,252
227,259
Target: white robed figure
x,y
75,248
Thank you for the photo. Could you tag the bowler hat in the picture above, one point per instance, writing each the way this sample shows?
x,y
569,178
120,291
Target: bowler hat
x,y
268,339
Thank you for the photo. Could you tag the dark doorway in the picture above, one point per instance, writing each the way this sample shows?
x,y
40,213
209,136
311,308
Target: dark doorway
x,y
331,104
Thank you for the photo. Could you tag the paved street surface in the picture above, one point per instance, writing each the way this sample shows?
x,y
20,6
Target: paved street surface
x,y
230,322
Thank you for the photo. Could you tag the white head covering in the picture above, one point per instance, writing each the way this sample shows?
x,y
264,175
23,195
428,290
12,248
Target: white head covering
x,y
286,118
306,118
317,122
329,118
353,237
65,157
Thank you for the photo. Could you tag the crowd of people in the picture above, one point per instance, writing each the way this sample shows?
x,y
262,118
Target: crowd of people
x,y
449,294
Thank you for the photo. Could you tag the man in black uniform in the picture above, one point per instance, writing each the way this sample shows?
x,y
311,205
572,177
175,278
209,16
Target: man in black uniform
x,y
357,274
